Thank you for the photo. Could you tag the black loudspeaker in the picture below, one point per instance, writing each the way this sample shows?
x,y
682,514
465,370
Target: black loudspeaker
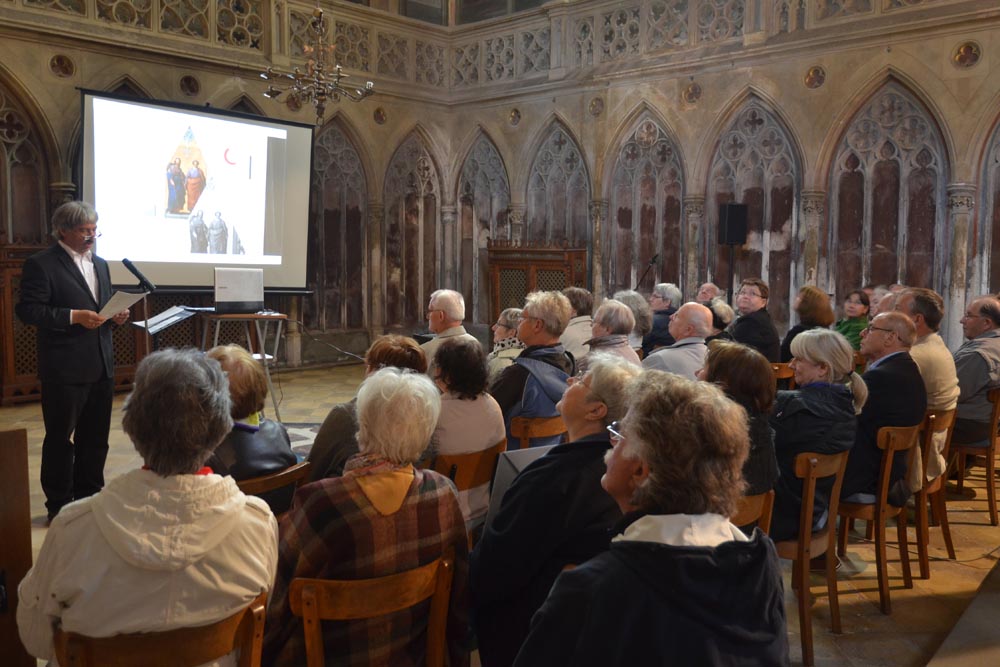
x,y
732,224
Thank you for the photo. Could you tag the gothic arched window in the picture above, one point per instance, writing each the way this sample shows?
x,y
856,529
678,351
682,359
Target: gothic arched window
x,y
412,210
23,177
990,218
558,201
337,241
645,209
887,183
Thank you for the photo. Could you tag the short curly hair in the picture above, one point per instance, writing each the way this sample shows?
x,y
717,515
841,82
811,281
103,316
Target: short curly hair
x,y
814,307
396,351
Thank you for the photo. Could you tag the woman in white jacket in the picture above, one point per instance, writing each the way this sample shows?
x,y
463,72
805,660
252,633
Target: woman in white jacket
x,y
171,545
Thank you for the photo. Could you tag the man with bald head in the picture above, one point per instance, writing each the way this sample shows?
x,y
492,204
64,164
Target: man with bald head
x,y
707,292
689,326
977,364
896,397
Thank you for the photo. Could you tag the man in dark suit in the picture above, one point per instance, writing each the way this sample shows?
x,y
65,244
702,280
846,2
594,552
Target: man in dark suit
x,y
896,397
63,288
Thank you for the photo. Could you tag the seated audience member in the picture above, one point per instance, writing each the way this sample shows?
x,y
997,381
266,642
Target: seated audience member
x,y
896,397
613,322
470,419
506,345
977,364
818,416
445,313
745,376
812,305
665,300
554,514
754,326
874,299
689,326
642,313
722,317
937,367
165,547
382,517
256,446
855,318
708,292
680,584
531,386
574,338
337,438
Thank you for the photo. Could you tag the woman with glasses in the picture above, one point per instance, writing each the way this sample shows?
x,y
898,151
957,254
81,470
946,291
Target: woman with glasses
x,y
819,416
679,584
506,345
553,515
754,326
613,322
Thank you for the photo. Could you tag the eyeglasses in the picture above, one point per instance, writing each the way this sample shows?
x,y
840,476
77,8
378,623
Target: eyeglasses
x,y
870,328
503,326
745,292
614,428
522,318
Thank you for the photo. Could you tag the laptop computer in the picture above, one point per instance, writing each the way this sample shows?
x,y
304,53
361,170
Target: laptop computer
x,y
239,291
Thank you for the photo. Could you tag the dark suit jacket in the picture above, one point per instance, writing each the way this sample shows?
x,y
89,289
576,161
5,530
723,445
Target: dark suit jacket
x,y
896,397
51,286
757,330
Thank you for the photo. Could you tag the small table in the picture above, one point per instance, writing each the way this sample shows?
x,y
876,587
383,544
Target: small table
x,y
261,322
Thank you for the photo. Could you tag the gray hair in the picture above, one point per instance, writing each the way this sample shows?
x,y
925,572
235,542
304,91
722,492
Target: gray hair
x,y
552,308
669,292
609,375
397,413
640,309
509,317
449,301
722,313
822,346
615,316
71,215
178,411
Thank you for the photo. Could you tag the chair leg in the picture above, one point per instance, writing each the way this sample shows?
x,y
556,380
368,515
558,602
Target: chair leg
x,y
904,548
960,469
805,614
880,566
869,530
923,534
842,536
941,510
831,586
991,488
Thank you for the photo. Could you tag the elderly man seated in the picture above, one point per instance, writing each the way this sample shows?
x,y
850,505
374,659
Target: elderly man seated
x,y
690,325
707,292
613,322
665,300
532,385
445,313
680,585
977,363
169,546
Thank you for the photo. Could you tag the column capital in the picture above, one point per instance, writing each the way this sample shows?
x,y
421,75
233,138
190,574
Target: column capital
x,y
694,205
961,197
813,202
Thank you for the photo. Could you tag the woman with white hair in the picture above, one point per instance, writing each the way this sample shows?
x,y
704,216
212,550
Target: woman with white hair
x,y
382,517
641,312
680,583
506,345
169,546
613,322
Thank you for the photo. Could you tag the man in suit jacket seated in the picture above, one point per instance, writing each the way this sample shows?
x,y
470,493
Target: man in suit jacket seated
x,y
896,397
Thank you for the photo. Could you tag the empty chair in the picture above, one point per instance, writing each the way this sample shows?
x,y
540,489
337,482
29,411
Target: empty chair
x,y
939,421
987,449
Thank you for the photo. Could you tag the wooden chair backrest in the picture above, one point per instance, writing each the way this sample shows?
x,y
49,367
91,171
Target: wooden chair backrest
x,y
859,361
783,372
335,600
523,429
291,475
994,398
183,647
892,439
15,527
935,421
755,508
810,467
470,470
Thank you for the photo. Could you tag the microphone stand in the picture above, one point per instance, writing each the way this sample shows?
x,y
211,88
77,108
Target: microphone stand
x,y
646,272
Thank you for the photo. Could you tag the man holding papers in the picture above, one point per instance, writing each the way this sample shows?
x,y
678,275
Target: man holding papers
x,y
63,289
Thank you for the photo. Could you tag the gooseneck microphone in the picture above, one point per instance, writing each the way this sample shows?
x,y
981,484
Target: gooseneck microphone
x,y
652,262
143,280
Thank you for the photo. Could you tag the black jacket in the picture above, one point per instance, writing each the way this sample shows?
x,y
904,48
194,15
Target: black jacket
x,y
786,343
817,418
247,453
757,330
659,335
761,468
554,514
644,603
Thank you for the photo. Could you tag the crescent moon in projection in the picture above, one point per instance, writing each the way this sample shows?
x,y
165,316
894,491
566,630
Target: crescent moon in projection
x,y
225,156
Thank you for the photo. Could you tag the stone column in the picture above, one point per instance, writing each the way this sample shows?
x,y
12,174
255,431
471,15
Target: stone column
x,y
961,204
376,281
515,221
452,246
694,220
813,210
598,217
61,192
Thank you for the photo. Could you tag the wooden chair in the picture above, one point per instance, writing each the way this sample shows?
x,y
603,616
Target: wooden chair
x,y
275,480
468,471
15,527
321,599
891,439
860,362
184,647
939,421
810,467
959,452
755,508
523,429
784,372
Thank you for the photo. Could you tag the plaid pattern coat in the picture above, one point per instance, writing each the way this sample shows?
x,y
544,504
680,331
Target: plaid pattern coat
x,y
334,532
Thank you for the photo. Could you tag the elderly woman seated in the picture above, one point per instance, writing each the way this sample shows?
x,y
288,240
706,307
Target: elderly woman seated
x,y
148,552
337,438
256,446
613,322
680,584
641,312
383,516
506,345
553,515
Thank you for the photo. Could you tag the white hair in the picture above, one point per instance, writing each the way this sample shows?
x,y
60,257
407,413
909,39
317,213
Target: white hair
x,y
397,413
669,292
615,316
552,308
450,302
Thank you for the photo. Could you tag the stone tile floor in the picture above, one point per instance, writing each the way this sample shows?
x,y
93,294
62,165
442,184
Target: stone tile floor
x,y
921,618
